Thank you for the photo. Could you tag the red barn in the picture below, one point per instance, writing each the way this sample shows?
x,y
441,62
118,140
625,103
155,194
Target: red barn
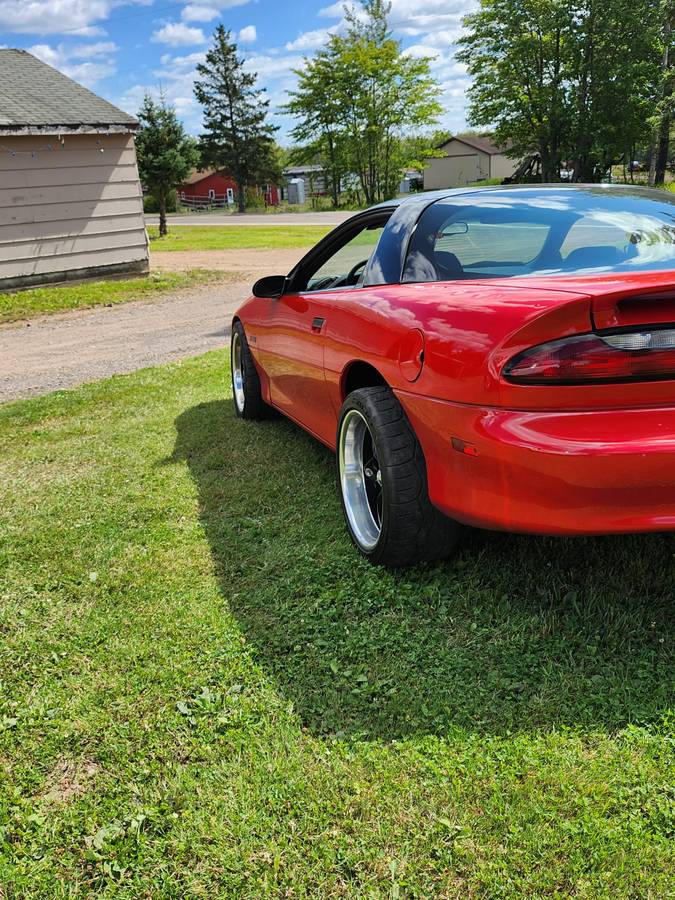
x,y
209,187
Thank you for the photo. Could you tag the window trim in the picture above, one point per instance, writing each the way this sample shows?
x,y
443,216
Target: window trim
x,y
331,244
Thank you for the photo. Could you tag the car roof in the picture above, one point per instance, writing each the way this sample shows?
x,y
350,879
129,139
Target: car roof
x,y
430,197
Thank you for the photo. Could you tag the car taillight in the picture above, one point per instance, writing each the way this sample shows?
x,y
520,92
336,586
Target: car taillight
x,y
644,355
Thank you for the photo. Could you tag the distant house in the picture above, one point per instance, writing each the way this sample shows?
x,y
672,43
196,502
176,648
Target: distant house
x,y
70,199
208,184
209,187
313,178
465,159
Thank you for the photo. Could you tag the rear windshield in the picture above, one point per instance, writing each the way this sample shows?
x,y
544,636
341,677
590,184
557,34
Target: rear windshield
x,y
546,231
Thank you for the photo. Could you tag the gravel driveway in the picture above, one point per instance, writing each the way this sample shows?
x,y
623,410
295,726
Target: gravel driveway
x,y
60,351
64,350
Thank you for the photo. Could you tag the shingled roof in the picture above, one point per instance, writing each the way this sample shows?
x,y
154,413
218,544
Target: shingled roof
x,y
37,99
478,142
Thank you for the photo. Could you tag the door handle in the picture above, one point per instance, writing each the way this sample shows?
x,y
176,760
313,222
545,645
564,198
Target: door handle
x,y
317,324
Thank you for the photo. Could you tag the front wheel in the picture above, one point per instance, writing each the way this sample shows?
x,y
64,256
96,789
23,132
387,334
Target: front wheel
x,y
383,484
248,401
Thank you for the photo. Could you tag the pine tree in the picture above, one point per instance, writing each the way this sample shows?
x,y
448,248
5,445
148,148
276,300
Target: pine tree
x,y
166,154
237,137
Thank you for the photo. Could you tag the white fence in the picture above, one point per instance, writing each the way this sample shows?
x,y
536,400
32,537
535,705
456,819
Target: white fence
x,y
204,204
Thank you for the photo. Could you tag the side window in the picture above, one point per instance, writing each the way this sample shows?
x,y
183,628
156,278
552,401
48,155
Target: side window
x,y
345,267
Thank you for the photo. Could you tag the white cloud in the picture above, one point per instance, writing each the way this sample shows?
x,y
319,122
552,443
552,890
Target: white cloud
x,y
311,40
195,13
87,51
177,66
273,67
247,35
86,73
43,17
47,54
416,17
90,73
206,10
177,34
334,11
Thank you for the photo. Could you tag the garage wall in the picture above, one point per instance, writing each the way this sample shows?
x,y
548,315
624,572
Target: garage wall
x,y
72,212
462,165
452,171
501,166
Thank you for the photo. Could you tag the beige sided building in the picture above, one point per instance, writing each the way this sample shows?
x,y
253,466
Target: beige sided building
x,y
466,159
71,205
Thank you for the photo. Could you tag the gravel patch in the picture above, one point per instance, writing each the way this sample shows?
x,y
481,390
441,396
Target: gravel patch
x,y
66,349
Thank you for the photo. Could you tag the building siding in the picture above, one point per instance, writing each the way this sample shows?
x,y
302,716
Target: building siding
x,y
464,165
216,182
452,171
72,209
502,166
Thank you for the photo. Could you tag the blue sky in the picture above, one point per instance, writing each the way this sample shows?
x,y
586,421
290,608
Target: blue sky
x,y
123,48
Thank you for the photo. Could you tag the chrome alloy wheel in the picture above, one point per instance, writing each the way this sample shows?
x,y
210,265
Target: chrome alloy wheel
x,y
360,480
237,372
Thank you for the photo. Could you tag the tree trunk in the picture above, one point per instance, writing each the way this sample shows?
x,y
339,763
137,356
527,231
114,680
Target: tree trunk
x,y
662,149
241,194
161,198
657,169
550,169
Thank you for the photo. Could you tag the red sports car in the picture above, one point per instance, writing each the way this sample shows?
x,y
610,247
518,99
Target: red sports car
x,y
499,357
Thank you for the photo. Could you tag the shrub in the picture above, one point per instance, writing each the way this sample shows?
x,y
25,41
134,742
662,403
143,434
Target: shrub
x,y
150,204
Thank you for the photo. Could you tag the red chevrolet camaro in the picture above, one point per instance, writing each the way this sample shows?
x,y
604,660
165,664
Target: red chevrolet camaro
x,y
498,357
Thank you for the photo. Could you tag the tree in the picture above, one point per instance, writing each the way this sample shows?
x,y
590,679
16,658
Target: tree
x,y
236,136
572,81
383,94
666,88
610,68
166,154
358,96
319,132
514,52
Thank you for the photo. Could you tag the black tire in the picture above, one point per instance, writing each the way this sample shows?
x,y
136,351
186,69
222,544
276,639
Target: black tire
x,y
411,529
246,392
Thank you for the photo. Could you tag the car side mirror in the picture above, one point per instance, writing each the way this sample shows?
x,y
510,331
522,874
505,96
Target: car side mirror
x,y
271,286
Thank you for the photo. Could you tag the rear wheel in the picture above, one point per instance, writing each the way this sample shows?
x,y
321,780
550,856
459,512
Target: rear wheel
x,y
383,484
248,401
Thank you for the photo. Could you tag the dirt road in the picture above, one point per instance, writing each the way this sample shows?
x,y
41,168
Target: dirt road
x,y
60,351
64,350
253,263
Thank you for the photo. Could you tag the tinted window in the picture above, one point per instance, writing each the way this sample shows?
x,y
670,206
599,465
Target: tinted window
x,y
542,231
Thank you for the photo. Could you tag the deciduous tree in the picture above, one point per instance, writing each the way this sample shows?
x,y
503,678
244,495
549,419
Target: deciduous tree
x,y
572,81
359,95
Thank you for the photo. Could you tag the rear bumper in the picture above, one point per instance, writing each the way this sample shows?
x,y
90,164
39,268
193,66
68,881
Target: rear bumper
x,y
592,472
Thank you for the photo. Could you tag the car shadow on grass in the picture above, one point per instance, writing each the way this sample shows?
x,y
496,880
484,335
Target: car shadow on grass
x,y
512,634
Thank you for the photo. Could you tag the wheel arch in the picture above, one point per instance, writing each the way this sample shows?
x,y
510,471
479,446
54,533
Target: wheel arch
x,y
359,374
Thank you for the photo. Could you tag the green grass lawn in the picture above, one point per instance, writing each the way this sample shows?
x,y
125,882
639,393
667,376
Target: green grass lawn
x,y
205,692
235,237
82,295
